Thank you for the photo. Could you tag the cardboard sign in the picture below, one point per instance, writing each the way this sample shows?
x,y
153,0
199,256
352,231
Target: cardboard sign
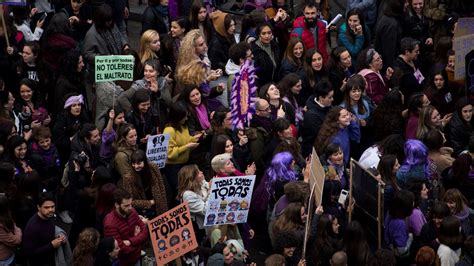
x,y
316,178
465,26
114,67
157,149
462,46
172,234
229,200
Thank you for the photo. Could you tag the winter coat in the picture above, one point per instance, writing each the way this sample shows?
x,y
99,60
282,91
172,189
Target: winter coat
x,y
367,7
107,95
458,134
408,83
309,39
132,182
312,121
265,69
376,85
388,34
153,20
355,47
218,51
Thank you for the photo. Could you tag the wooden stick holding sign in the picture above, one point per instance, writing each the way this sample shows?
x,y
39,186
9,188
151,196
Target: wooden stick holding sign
x,y
316,181
309,218
4,25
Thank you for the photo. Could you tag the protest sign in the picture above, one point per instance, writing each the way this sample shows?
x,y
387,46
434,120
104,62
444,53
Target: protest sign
x,y
114,67
157,149
172,234
229,200
316,178
463,43
367,192
462,46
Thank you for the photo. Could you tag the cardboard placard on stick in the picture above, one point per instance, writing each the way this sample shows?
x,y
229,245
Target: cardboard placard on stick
x,y
229,200
463,43
316,178
172,234
366,191
157,149
114,67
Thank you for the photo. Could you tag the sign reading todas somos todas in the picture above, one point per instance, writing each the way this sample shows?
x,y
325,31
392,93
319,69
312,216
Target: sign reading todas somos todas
x,y
172,234
229,200
114,67
157,149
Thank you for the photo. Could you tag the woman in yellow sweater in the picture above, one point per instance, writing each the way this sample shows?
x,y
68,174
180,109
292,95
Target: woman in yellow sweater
x,y
180,145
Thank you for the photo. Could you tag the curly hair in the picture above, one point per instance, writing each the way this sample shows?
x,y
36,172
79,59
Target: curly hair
x,y
193,73
86,245
328,130
187,49
145,52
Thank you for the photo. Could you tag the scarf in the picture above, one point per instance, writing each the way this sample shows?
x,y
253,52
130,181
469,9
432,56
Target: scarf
x,y
163,12
201,112
268,49
113,40
260,121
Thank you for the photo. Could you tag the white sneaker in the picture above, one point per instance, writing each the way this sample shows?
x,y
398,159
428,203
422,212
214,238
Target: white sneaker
x,y
64,215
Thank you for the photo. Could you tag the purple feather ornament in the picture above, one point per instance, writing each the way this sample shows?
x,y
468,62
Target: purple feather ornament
x,y
243,95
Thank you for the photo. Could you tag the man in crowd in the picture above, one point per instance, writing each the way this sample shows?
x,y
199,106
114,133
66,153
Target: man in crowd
x,y
125,226
311,30
39,239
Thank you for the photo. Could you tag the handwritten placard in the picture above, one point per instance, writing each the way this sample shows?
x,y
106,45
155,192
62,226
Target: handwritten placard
x,y
114,67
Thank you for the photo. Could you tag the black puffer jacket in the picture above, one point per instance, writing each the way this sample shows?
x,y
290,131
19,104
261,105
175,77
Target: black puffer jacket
x,y
266,70
312,121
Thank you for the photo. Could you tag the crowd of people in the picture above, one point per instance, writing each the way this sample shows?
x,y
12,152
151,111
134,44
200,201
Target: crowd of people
x,y
379,86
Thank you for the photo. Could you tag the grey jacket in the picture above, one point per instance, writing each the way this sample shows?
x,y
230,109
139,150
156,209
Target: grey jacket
x,y
107,94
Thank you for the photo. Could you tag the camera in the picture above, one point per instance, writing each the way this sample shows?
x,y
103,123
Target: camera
x,y
80,158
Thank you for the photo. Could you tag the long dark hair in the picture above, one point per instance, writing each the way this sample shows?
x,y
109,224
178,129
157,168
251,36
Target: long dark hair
x,y
355,82
193,18
69,67
139,156
351,35
6,218
309,71
179,112
328,130
356,245
385,168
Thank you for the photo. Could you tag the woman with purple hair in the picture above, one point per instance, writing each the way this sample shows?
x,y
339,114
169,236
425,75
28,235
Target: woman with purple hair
x,y
270,188
416,164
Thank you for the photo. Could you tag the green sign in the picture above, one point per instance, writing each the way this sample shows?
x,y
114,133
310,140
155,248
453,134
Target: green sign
x,y
114,67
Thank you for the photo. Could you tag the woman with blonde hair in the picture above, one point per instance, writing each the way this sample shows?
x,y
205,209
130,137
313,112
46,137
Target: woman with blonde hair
x,y
193,46
429,119
193,189
194,68
149,45
86,247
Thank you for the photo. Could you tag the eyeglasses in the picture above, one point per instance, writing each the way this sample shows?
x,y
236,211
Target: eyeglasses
x,y
267,109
